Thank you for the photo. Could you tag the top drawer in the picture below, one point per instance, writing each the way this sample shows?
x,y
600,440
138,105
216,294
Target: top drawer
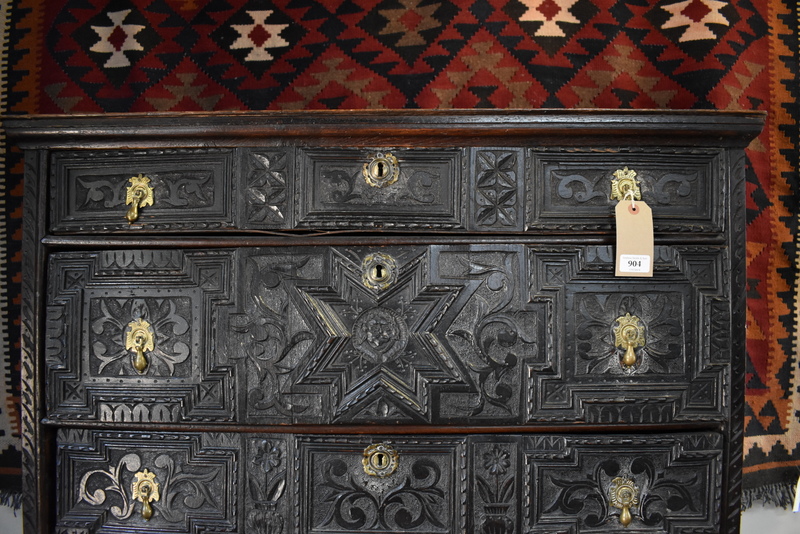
x,y
478,189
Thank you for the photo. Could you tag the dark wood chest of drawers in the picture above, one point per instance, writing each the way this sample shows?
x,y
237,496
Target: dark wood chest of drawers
x,y
381,322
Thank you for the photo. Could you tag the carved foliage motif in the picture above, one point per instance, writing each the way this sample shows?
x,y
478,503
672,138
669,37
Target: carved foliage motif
x,y
170,320
266,485
171,189
271,337
660,315
267,188
417,497
495,488
497,188
670,483
191,487
493,335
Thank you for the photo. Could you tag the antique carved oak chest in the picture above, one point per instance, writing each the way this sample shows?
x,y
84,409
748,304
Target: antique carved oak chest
x,y
393,321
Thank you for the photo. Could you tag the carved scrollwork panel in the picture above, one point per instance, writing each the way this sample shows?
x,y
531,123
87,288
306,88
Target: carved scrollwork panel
x,y
662,484
575,189
192,189
422,495
195,486
332,190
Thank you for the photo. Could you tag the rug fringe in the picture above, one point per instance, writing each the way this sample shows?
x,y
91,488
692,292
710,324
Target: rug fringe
x,y
11,499
780,494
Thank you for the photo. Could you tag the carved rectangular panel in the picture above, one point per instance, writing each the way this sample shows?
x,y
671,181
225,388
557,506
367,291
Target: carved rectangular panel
x,y
667,484
192,189
571,190
190,482
681,364
420,189
316,484
476,334
497,189
100,303
346,488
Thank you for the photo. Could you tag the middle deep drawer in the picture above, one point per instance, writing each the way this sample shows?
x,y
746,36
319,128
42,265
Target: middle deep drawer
x,y
439,334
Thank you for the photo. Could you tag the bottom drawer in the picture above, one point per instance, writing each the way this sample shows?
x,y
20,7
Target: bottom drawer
x,y
293,483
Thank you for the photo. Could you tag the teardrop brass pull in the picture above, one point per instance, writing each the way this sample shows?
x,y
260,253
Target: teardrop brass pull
x,y
623,494
139,338
629,334
139,195
625,184
382,171
145,489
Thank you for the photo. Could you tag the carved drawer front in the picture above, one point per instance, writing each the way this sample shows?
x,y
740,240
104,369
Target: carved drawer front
x,y
688,191
386,485
167,190
130,336
150,482
660,483
381,187
477,335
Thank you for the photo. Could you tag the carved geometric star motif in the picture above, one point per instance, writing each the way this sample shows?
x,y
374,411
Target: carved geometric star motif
x,y
117,39
549,13
259,36
382,344
696,15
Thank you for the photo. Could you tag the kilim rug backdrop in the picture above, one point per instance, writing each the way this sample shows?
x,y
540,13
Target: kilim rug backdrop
x,y
180,55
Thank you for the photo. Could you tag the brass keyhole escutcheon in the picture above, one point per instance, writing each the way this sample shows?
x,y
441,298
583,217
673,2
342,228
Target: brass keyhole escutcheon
x,y
380,460
629,335
138,195
625,185
382,171
146,490
623,494
139,338
379,271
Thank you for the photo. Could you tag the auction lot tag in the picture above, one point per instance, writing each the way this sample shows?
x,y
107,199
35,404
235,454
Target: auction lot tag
x,y
634,239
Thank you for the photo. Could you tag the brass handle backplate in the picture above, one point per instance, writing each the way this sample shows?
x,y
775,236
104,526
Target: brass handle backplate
x,y
382,171
625,185
629,335
139,195
145,489
380,460
623,494
139,338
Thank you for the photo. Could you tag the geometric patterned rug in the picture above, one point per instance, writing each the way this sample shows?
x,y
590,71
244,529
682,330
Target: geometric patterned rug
x,y
186,55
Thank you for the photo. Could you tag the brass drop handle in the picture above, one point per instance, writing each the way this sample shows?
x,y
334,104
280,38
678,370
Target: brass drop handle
x,y
145,489
382,171
139,195
629,334
623,494
139,338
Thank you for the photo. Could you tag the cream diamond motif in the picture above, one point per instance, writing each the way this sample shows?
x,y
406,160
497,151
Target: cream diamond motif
x,y
117,39
549,13
259,37
696,15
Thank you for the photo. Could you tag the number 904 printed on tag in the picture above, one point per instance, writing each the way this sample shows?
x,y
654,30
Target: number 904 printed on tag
x,y
634,263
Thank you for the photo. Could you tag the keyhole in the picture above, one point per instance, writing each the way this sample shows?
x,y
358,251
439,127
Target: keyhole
x,y
380,460
379,272
380,173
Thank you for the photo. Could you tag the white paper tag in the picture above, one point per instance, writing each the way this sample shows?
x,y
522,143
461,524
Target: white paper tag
x,y
634,263
797,497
